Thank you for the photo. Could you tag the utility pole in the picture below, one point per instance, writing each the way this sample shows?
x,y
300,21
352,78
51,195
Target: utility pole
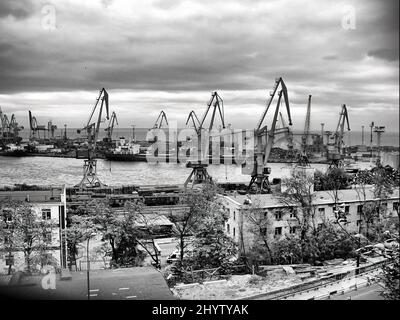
x,y
133,132
322,133
362,135
370,142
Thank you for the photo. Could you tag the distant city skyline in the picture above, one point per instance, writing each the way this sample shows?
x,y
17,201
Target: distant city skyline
x,y
169,55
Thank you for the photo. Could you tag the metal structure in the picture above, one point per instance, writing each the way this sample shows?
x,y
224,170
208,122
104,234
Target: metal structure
x,y
92,129
159,122
335,153
109,130
195,120
35,128
288,134
303,160
199,172
9,129
379,130
51,128
259,169
90,179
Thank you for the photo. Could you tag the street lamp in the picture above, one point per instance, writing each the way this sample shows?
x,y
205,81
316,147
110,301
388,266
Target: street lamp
x,y
88,264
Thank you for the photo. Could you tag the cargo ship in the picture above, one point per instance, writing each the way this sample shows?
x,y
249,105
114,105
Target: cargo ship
x,y
125,151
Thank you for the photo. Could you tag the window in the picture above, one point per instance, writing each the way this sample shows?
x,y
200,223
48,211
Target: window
x,y
7,215
278,215
234,232
47,236
234,215
9,260
359,223
278,231
321,211
228,228
46,214
347,209
293,213
360,209
292,230
395,206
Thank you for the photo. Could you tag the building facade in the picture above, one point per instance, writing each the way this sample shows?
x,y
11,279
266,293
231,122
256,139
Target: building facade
x,y
49,207
266,214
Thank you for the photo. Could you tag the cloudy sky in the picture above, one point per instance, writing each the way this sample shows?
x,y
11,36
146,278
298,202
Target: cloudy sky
x,y
169,55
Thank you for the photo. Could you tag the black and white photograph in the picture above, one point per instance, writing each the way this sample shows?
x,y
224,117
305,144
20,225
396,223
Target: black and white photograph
x,y
192,156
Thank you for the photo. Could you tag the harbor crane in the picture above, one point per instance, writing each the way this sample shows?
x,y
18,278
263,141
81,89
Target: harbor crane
x,y
35,128
109,130
199,172
288,134
90,178
336,143
159,122
195,120
93,129
303,160
9,129
51,128
264,140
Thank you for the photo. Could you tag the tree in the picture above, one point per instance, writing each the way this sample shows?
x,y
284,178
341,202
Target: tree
x,y
198,204
146,229
22,230
119,231
260,226
299,194
212,248
391,278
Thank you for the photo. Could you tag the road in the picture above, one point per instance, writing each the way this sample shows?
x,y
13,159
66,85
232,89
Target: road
x,y
140,283
371,292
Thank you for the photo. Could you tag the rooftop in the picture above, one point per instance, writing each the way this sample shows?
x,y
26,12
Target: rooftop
x,y
320,197
38,196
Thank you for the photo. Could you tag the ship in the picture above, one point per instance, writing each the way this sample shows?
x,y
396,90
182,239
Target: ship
x,y
13,150
125,151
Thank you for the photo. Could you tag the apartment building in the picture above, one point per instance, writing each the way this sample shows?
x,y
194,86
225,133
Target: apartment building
x,y
48,204
278,219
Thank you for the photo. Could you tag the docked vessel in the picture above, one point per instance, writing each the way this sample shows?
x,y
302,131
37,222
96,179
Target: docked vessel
x,y
125,151
13,150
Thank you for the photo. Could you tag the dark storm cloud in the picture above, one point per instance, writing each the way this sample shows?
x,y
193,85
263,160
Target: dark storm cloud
x,y
385,54
189,48
17,9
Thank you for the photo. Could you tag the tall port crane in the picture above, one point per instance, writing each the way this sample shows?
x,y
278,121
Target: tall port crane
x,y
35,128
90,178
51,128
303,160
14,127
335,151
195,120
93,129
264,140
109,130
159,122
288,134
199,172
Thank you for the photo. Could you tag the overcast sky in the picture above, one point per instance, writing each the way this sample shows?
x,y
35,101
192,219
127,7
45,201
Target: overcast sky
x,y
170,54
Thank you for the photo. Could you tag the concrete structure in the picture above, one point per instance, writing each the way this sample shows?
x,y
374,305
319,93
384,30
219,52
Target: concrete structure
x,y
279,219
49,205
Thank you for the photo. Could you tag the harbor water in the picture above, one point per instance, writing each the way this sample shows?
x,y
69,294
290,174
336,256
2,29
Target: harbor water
x,y
58,171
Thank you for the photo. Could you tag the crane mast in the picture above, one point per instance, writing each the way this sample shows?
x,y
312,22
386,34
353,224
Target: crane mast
x,y
110,128
199,172
335,151
306,134
195,120
159,122
265,140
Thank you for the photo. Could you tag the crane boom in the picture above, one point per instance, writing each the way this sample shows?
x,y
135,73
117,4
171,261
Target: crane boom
x,y
195,120
162,116
217,103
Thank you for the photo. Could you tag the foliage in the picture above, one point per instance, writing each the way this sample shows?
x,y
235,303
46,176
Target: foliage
x,y
21,229
333,179
391,278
